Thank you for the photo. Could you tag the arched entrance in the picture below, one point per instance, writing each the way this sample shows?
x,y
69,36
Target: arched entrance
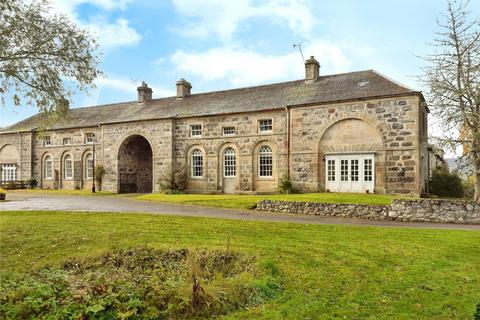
x,y
350,152
135,165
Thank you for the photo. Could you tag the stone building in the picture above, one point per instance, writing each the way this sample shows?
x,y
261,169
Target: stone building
x,y
351,132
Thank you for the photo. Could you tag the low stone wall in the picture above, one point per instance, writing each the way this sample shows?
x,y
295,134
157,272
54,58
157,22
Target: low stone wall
x,y
421,210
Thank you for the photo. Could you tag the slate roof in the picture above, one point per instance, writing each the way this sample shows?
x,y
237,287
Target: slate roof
x,y
328,88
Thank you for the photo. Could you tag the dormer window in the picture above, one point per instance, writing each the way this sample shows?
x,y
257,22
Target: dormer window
x,y
90,137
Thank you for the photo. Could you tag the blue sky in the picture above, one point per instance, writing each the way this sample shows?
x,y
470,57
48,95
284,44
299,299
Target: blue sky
x,y
220,44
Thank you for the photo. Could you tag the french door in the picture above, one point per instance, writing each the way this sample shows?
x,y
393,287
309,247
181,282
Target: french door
x,y
350,173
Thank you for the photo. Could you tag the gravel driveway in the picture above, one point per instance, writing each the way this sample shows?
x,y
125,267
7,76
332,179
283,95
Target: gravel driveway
x,y
19,201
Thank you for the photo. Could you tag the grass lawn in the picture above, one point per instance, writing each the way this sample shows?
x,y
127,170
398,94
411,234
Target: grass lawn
x,y
328,271
82,192
247,201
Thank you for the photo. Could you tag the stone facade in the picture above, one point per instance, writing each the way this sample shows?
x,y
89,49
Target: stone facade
x,y
424,210
311,121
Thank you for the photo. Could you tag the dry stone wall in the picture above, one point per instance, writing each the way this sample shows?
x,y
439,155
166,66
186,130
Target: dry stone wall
x,y
422,210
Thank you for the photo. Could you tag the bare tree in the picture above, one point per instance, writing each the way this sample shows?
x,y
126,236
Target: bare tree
x,y
43,56
452,76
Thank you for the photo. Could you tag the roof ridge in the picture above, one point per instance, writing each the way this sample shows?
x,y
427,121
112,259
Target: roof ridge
x,y
231,90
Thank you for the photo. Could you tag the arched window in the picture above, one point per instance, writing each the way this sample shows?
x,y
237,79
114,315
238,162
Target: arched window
x,y
229,163
48,168
197,163
68,167
89,166
265,162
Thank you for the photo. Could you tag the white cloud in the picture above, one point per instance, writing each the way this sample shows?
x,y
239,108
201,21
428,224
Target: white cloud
x,y
130,85
246,67
222,18
115,34
109,34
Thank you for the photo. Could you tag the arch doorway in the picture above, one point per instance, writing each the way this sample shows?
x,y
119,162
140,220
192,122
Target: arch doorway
x,y
350,152
135,166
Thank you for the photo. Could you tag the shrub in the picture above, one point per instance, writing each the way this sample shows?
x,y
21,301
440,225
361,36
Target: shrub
x,y
3,194
285,185
445,184
139,283
32,183
100,172
476,316
174,182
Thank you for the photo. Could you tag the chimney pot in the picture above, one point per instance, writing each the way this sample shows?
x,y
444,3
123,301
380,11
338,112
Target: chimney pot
x,y
312,70
144,92
183,88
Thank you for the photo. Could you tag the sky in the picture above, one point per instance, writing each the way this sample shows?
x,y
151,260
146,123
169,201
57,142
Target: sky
x,y
222,44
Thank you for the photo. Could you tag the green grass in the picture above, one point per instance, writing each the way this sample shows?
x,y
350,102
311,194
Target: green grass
x,y
247,201
328,271
64,192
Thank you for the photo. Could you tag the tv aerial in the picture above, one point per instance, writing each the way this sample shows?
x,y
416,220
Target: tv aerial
x,y
299,46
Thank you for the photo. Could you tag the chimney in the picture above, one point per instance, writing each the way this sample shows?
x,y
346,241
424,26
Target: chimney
x,y
144,92
183,88
312,70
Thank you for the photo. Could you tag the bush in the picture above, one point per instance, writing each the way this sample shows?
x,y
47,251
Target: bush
x,y
285,185
445,184
32,183
139,283
476,316
3,194
173,183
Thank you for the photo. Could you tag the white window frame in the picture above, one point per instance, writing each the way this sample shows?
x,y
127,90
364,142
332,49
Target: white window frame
x,y
89,166
47,141
231,133
90,138
9,172
229,163
48,167
265,162
331,167
196,130
263,128
358,172
67,141
197,164
68,167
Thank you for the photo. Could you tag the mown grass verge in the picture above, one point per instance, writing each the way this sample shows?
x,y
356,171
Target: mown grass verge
x,y
63,192
327,271
249,201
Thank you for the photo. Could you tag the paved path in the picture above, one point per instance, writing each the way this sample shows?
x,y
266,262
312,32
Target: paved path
x,y
121,203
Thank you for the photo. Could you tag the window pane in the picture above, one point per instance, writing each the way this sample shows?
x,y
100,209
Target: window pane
x,y
354,170
343,170
331,170
68,167
48,168
89,167
229,131
265,162
90,137
196,130
9,172
368,170
265,125
229,163
197,163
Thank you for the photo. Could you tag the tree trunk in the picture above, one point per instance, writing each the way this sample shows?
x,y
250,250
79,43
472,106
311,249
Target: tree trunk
x,y
476,181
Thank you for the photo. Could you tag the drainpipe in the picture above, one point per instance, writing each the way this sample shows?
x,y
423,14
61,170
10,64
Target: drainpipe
x,y
287,110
